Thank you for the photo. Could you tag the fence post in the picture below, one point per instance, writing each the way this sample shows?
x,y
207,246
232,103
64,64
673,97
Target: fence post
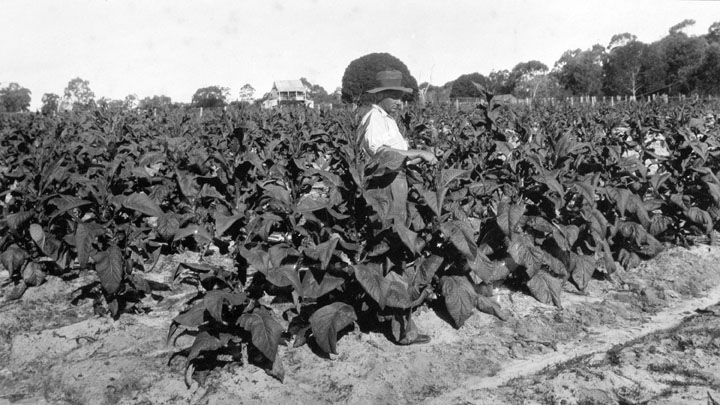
x,y
201,111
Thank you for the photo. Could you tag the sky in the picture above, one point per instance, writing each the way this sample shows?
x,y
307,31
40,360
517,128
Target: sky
x,y
174,47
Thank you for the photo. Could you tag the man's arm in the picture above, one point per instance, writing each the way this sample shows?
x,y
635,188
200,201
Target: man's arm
x,y
415,155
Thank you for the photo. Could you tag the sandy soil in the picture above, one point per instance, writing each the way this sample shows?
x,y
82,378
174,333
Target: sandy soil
x,y
649,335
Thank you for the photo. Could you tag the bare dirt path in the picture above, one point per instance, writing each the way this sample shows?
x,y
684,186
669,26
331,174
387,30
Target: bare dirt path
x,y
634,339
605,340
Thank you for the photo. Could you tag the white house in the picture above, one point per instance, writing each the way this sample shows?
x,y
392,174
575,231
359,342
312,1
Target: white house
x,y
288,92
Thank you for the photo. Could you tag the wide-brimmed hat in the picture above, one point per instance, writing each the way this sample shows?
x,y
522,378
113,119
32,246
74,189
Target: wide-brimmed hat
x,y
389,80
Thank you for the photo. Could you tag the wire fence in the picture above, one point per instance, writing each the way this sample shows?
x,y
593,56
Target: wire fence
x,y
583,100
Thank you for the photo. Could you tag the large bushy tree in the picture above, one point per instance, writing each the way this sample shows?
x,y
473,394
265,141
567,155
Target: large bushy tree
x,y
317,92
50,103
212,96
155,102
467,85
359,76
15,98
500,82
78,93
683,55
624,65
581,72
708,77
247,92
529,79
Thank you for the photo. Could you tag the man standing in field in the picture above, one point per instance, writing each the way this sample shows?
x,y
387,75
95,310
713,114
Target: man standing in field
x,y
379,133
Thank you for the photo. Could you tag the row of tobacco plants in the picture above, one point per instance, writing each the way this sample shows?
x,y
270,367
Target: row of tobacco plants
x,y
533,197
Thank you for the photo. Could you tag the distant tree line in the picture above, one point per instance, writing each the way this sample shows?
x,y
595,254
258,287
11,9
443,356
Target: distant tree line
x,y
677,64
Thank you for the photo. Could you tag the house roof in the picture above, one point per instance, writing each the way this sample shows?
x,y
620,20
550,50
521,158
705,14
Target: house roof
x,y
288,85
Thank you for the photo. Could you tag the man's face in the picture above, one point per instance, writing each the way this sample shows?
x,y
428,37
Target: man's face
x,y
390,100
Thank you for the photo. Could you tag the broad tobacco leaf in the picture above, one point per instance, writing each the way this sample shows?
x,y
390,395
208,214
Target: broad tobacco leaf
x,y
312,290
13,258
488,306
65,203
109,266
224,222
509,216
540,224
372,281
265,331
47,244
700,217
204,342
408,237
545,288
279,193
188,185
85,235
586,190
482,268
659,224
383,163
195,267
208,191
215,300
396,291
524,252
628,259
278,253
658,179
322,252
327,321
283,276
449,175
167,226
431,199
312,202
460,298
565,236
461,236
582,268
426,268
33,274
18,219
140,202
191,318
196,231
257,258
378,200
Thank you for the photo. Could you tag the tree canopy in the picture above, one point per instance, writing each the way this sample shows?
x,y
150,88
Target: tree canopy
x,y
212,96
50,103
359,76
14,98
581,71
317,93
78,93
529,79
466,85
246,93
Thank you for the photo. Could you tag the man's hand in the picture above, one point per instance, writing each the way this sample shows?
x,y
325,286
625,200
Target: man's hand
x,y
428,157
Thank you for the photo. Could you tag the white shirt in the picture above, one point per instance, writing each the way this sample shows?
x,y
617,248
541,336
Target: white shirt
x,y
381,130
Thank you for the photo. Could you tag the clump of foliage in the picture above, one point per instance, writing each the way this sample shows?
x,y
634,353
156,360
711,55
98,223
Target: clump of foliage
x,y
359,76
